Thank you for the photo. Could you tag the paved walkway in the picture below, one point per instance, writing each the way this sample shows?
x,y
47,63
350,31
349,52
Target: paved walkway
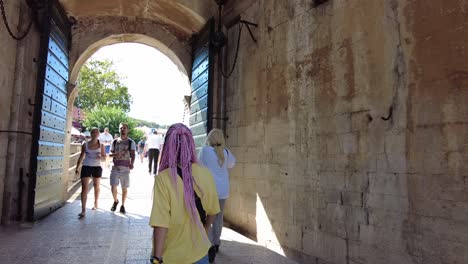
x,y
106,237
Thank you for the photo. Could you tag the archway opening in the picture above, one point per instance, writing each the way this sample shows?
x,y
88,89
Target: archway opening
x,y
156,79
156,86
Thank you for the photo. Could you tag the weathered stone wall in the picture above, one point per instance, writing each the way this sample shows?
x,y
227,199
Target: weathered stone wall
x,y
349,122
7,69
73,177
437,132
18,85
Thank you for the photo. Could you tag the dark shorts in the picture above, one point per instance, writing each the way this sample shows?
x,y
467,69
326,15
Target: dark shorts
x,y
88,171
107,148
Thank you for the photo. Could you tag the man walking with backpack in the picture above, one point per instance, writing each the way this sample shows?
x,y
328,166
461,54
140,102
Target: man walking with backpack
x,y
123,153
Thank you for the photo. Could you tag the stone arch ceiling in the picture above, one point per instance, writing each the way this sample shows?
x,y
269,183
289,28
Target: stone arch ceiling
x,y
186,16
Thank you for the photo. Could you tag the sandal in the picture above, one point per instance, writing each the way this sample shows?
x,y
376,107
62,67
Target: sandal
x,y
81,215
114,206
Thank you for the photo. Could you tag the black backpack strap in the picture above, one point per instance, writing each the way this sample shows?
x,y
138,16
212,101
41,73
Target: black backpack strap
x,y
198,203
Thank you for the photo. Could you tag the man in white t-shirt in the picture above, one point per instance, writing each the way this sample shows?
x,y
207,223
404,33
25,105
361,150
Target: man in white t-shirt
x,y
153,146
106,139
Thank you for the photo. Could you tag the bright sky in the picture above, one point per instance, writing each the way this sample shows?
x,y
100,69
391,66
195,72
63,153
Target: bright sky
x,y
155,83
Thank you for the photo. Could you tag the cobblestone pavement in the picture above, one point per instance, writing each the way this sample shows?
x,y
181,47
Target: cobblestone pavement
x,y
107,237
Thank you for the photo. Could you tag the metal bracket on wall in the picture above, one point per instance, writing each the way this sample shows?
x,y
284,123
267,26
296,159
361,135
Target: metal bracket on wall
x,y
390,113
30,102
247,24
241,25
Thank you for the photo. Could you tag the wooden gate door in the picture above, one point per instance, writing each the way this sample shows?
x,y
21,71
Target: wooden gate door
x,y
202,71
46,189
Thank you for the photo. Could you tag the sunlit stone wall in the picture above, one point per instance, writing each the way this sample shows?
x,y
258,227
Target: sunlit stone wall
x,y
349,122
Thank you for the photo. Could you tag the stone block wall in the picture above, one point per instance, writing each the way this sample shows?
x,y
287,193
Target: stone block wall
x,y
18,85
7,69
349,122
437,137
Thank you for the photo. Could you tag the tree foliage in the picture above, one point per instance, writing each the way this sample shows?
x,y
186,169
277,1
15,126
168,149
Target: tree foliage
x,y
141,122
100,85
111,117
136,134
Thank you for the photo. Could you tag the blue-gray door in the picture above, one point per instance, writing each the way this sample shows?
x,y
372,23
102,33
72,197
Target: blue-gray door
x,y
202,71
46,185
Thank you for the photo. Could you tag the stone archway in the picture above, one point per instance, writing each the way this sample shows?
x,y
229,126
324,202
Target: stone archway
x,y
176,51
166,25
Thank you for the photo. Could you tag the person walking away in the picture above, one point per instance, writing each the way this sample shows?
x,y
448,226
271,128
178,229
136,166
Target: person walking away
x,y
123,153
92,152
141,148
218,159
153,145
179,234
106,139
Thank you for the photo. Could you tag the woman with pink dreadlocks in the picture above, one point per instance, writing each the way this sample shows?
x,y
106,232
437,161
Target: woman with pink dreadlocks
x,y
185,202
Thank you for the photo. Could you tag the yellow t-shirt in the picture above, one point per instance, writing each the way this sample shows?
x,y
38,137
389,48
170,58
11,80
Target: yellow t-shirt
x,y
169,211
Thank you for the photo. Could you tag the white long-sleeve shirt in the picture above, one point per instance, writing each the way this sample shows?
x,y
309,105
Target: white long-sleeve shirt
x,y
208,158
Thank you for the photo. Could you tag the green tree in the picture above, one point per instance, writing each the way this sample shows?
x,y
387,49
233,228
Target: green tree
x,y
100,85
141,122
111,117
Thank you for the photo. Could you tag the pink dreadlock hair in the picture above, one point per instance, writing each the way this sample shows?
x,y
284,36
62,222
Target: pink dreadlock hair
x,y
179,150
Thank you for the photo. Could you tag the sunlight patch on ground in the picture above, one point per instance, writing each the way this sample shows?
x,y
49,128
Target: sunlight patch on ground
x,y
265,232
75,195
231,235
